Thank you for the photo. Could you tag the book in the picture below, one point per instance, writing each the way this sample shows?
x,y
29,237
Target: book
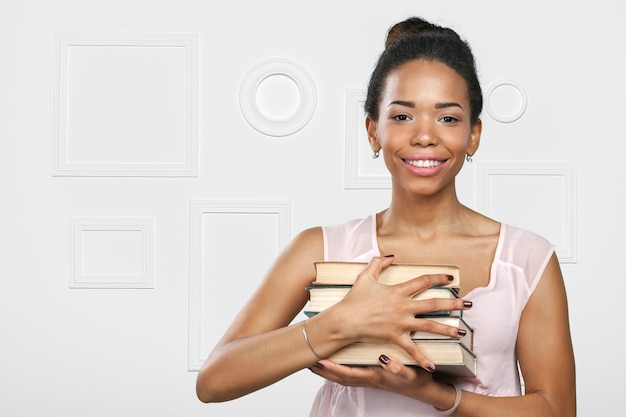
x,y
322,297
450,357
345,273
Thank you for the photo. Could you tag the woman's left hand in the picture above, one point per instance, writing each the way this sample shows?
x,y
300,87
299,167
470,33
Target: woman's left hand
x,y
392,376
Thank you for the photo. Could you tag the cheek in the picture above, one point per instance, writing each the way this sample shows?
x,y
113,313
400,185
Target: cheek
x,y
390,137
461,141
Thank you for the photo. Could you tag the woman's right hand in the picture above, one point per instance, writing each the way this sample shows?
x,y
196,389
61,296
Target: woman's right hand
x,y
375,312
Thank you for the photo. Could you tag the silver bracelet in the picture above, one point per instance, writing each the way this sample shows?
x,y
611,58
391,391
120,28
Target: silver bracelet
x,y
306,339
457,401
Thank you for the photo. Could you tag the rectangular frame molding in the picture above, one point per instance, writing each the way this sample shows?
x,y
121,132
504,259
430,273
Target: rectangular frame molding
x,y
354,133
145,279
567,171
198,208
189,168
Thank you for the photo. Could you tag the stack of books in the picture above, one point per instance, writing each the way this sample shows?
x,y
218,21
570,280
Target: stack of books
x,y
451,355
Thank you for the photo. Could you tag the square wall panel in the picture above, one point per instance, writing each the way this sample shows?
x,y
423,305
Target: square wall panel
x,y
536,196
111,253
126,105
232,244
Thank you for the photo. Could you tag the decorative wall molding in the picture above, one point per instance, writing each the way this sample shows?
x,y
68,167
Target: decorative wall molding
x,y
168,47
496,111
198,253
513,192
361,171
255,116
111,244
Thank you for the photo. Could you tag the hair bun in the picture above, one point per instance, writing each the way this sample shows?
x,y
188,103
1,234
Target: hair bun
x,y
410,26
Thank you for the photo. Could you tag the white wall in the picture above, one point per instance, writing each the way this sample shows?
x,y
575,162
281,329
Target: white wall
x,y
130,182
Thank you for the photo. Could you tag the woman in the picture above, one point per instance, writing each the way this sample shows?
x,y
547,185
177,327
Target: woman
x,y
423,107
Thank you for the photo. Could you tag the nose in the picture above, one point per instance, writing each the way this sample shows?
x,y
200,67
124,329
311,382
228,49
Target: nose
x,y
424,134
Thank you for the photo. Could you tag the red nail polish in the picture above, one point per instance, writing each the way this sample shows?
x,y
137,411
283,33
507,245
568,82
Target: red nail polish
x,y
450,277
461,332
467,304
383,359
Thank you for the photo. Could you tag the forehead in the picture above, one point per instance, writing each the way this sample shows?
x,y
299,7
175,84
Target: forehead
x,y
425,78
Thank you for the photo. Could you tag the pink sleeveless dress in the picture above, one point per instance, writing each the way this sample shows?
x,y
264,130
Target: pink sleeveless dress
x,y
519,262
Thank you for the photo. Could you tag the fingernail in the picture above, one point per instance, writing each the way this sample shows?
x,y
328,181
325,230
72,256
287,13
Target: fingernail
x,y
383,359
430,368
450,277
319,365
461,332
467,304
391,255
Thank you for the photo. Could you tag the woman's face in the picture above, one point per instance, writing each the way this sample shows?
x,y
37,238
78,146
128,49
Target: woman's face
x,y
424,127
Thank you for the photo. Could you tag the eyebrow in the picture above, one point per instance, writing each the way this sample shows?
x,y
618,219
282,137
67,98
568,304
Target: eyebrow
x,y
446,105
403,103
437,106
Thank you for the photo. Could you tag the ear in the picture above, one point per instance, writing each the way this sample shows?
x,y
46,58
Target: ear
x,y
474,139
372,133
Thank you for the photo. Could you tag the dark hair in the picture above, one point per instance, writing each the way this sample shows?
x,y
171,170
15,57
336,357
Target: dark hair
x,y
414,39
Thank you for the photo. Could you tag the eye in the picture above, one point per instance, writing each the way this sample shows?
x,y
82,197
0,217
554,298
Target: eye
x,y
401,117
449,119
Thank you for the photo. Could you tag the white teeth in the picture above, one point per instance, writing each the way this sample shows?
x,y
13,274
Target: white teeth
x,y
424,163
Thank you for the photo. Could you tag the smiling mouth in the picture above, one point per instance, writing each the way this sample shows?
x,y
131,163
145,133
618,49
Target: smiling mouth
x,y
423,163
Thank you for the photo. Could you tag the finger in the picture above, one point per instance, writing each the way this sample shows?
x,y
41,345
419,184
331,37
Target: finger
x,y
431,326
326,367
422,360
393,365
375,266
431,305
346,375
416,285
409,374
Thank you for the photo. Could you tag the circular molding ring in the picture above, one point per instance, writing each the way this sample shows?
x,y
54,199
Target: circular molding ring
x,y
520,111
248,97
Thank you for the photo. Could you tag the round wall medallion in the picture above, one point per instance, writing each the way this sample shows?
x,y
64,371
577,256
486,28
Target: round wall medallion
x,y
294,104
506,101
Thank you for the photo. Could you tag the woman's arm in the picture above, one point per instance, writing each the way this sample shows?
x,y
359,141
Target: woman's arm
x,y
544,346
546,358
259,349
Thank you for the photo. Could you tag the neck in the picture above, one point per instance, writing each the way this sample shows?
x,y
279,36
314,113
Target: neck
x,y
433,213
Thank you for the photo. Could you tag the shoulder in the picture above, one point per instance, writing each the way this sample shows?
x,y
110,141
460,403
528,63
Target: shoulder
x,y
350,227
527,250
525,241
350,230
351,240
314,241
308,243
